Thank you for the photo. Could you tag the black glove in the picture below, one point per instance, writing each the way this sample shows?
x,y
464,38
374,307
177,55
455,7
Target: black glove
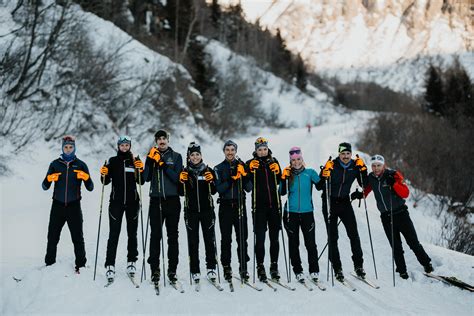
x,y
357,195
390,180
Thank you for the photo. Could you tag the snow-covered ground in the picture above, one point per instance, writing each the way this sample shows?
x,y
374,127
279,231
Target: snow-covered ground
x,y
58,290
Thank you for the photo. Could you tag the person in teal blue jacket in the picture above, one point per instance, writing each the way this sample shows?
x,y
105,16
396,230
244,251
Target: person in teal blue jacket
x,y
298,212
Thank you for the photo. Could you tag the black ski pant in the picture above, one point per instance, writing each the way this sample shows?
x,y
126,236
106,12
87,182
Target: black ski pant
x,y
207,219
342,209
230,218
263,218
116,211
169,209
72,215
305,222
403,225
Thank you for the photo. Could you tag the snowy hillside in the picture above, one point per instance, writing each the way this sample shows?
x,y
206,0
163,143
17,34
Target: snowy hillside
x,y
388,42
56,289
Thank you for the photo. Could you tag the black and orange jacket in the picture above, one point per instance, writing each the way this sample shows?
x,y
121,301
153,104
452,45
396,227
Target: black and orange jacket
x,y
389,198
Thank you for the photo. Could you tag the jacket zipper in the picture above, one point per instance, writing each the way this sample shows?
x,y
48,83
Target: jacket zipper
x,y
268,187
299,194
381,195
197,191
163,185
67,176
343,178
124,184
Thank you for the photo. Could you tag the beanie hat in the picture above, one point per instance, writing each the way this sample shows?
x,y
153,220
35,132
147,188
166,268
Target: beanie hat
x,y
229,143
124,139
377,159
193,148
295,152
344,147
162,133
261,142
69,140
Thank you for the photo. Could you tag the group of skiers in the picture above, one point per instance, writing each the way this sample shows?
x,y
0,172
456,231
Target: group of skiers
x,y
232,179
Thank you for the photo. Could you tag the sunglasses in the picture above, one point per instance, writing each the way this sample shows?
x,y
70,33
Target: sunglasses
x,y
296,151
377,158
261,140
194,145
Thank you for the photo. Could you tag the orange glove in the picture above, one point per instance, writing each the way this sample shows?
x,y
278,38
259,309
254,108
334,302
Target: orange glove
x,y
138,165
183,176
53,177
154,154
104,171
286,173
81,175
329,165
254,164
360,164
326,173
275,168
241,169
208,176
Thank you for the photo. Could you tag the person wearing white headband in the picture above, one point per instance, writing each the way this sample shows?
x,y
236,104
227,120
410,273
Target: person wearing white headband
x,y
390,191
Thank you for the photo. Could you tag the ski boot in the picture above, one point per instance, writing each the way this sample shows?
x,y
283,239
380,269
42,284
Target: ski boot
x,y
360,272
227,273
131,269
262,276
244,275
314,276
339,275
195,276
110,274
155,276
404,275
211,275
300,277
274,274
428,268
172,277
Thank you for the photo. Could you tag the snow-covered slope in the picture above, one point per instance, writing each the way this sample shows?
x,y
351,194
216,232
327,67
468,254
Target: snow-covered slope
x,y
389,42
24,218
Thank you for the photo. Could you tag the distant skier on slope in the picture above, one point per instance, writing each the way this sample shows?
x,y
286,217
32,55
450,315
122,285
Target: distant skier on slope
x,y
122,171
390,192
67,172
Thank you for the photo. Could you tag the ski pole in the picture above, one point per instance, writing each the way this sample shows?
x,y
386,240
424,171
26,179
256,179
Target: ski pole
x,y
254,219
214,233
393,246
281,218
143,276
161,226
288,211
141,215
186,217
368,224
100,219
326,246
243,259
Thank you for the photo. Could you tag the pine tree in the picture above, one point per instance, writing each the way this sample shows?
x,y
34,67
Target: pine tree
x,y
434,97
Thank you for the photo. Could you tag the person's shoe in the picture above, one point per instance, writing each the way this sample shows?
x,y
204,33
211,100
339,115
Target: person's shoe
x,y
314,276
110,273
212,275
360,272
227,273
196,277
131,269
245,276
404,275
274,274
155,276
172,277
428,268
339,275
300,277
262,276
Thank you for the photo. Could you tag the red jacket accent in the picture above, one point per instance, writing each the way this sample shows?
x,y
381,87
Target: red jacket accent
x,y
367,190
400,188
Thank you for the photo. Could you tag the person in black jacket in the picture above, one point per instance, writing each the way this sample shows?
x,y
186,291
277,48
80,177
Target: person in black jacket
x,y
197,188
122,170
162,169
67,173
232,184
341,173
266,175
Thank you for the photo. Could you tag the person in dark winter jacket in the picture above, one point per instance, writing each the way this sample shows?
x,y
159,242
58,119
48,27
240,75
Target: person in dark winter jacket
x,y
123,171
197,188
266,175
162,169
68,173
231,184
390,192
299,212
340,174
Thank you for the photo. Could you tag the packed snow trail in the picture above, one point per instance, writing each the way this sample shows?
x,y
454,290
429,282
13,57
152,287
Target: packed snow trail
x,y
58,289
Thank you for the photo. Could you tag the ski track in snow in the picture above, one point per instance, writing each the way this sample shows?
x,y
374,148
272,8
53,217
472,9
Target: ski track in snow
x,y
57,289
